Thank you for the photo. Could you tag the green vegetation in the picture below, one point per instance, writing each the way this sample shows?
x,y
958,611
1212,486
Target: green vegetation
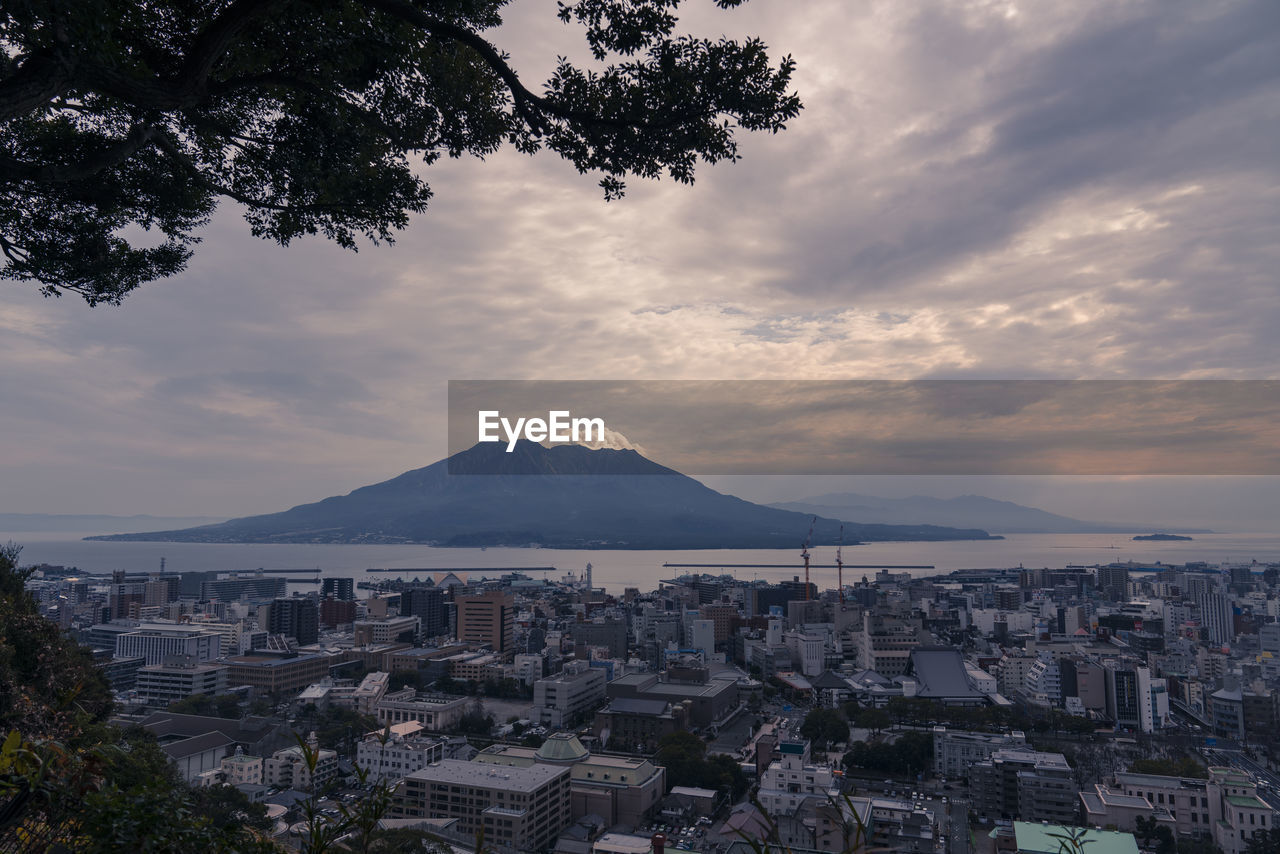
x,y
684,755
910,754
1154,836
336,728
69,781
1183,766
1264,842
824,727
916,711
876,720
475,721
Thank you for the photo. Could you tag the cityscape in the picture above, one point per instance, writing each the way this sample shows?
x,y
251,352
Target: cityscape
x,y
639,427
970,711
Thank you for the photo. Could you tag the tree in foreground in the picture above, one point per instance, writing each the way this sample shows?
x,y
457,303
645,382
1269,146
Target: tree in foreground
x,y
119,116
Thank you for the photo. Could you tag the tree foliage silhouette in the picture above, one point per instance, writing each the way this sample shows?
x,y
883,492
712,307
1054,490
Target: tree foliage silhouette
x,y
119,116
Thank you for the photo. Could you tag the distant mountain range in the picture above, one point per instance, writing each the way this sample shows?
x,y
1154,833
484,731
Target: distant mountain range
x,y
64,523
565,496
967,511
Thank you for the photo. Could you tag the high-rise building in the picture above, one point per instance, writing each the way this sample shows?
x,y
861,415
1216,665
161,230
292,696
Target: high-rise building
x,y
296,618
251,588
488,618
336,612
1134,698
1214,605
339,588
428,605
1113,582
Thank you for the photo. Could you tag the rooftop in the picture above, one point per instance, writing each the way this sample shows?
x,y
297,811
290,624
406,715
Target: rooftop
x,y
489,776
197,744
1246,801
637,706
562,747
941,672
1045,839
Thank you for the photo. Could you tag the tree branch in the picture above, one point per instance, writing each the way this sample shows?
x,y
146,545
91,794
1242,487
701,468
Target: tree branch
x,y
38,80
522,97
138,137
179,158
187,88
533,108
214,39
272,78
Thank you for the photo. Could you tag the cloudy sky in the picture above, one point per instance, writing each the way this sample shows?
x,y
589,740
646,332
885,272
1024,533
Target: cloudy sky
x,y
992,190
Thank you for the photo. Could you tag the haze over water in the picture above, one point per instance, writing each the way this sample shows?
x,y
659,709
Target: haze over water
x,y
615,570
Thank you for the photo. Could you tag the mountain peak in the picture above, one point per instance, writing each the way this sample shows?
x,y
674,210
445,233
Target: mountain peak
x,y
564,496
492,458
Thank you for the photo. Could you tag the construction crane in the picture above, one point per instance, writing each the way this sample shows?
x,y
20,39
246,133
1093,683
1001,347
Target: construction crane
x,y
804,553
840,567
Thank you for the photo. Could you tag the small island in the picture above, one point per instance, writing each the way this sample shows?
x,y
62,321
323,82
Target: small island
x,y
1161,537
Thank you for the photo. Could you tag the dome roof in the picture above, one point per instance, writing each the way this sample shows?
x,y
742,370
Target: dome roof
x,y
563,747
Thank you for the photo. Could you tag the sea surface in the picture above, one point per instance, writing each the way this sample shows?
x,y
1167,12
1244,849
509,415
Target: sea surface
x,y
615,570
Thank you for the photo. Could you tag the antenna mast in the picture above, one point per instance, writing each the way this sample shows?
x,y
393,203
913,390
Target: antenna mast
x,y
840,566
804,553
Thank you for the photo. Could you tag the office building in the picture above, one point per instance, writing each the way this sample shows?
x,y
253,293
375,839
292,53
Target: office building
x,y
276,673
1024,784
954,751
569,697
295,618
336,612
620,789
388,630
428,605
177,678
155,642
487,618
255,588
518,808
343,589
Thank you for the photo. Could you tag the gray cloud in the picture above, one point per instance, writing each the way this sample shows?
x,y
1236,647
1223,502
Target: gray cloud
x,y
976,190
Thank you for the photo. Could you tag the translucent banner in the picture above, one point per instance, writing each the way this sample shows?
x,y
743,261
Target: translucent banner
x,y
918,427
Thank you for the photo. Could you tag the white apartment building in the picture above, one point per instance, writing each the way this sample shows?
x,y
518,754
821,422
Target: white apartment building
x,y
397,752
157,641
288,768
794,778
807,651
571,695
239,769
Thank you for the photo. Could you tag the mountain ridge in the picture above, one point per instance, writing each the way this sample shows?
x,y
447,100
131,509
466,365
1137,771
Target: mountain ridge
x,y
566,496
965,511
